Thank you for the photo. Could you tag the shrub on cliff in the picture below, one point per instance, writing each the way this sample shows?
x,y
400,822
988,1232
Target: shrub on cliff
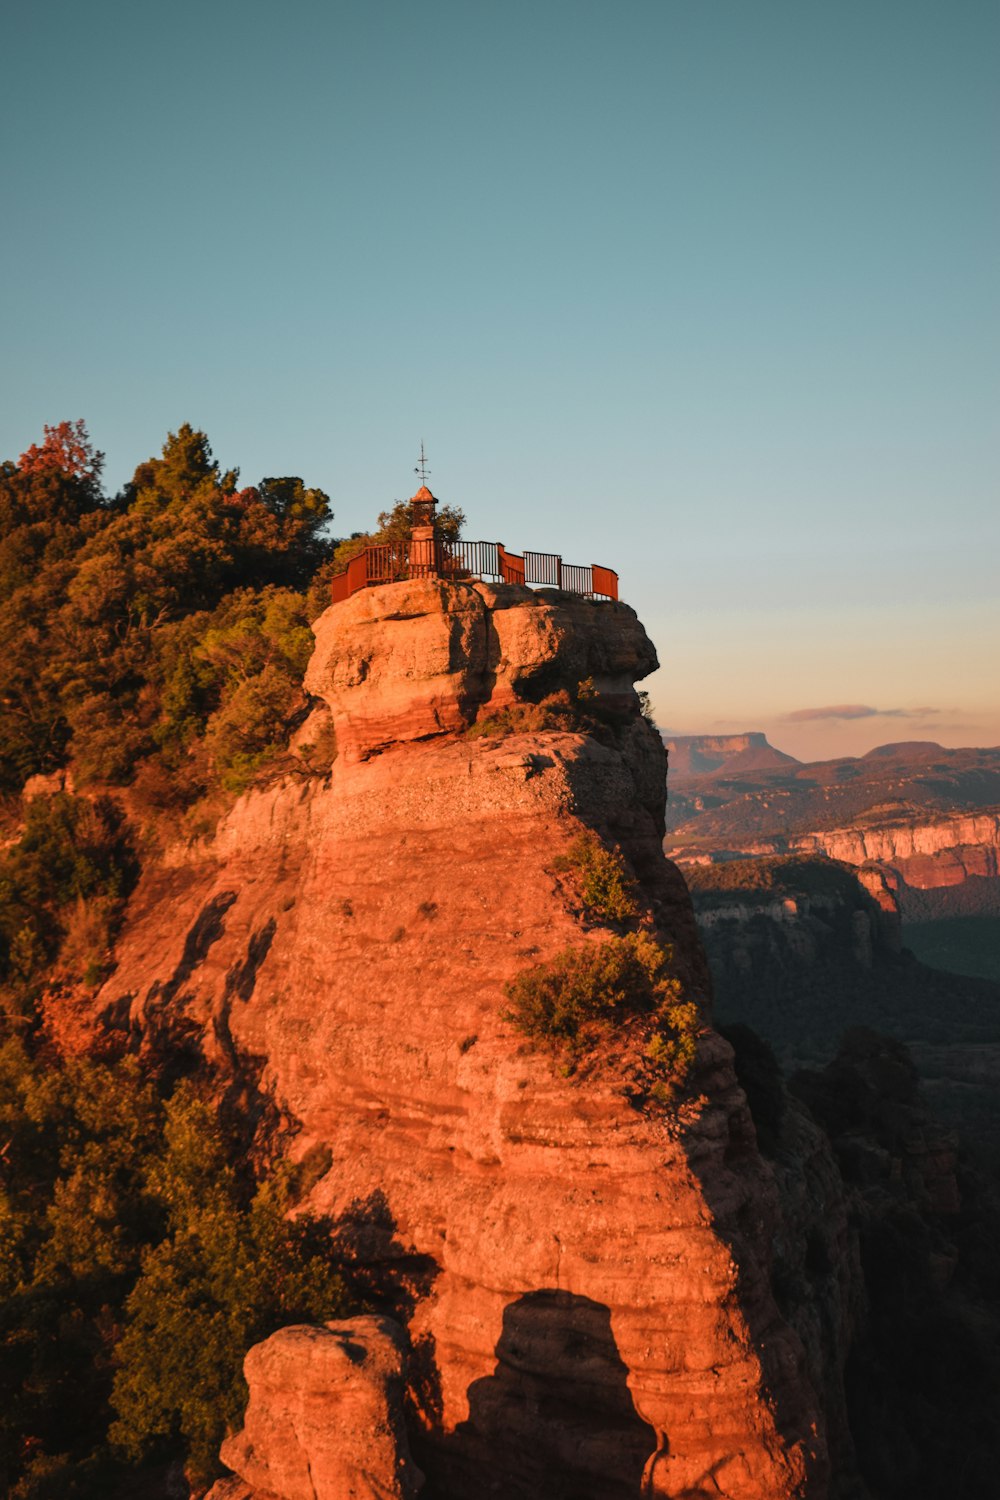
x,y
552,713
608,891
582,711
584,994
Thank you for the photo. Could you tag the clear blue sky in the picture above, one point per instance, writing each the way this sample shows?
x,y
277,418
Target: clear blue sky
x,y
703,289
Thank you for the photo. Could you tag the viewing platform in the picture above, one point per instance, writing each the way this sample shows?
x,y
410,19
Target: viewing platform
x,y
426,554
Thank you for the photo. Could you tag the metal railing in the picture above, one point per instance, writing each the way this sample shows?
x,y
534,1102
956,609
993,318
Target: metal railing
x,y
390,562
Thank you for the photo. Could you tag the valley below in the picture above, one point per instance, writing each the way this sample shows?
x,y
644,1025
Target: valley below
x,y
858,891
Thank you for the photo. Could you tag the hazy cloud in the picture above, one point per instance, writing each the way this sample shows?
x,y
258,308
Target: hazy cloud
x,y
854,711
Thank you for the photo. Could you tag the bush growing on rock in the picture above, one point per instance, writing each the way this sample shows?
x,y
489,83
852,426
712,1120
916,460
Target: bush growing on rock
x,y
609,893
584,994
554,712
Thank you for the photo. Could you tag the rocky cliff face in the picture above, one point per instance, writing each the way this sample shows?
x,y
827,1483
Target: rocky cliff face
x,y
925,854
929,818
587,1284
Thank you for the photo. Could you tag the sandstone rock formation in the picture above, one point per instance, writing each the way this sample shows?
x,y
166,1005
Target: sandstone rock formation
x,y
423,657
587,1284
928,818
925,853
325,1417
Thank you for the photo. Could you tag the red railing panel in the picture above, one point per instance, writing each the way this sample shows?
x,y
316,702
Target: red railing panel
x,y
605,581
511,566
357,572
387,562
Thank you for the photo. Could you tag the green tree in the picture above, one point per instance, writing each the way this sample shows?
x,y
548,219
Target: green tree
x,y
228,1273
137,1266
394,526
94,593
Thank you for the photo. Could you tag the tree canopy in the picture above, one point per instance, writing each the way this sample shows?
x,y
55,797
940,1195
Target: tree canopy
x,y
117,605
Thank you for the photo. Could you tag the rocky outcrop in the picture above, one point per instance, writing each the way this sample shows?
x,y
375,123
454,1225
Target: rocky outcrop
x,y
325,1417
587,1284
802,966
425,657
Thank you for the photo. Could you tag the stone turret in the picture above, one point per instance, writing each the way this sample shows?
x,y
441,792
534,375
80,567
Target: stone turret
x,y
423,534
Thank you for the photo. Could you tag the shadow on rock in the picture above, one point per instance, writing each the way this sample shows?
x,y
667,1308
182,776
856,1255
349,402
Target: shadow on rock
x,y
555,1420
385,1276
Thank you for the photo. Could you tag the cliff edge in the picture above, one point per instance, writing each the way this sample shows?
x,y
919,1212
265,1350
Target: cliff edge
x,y
586,1279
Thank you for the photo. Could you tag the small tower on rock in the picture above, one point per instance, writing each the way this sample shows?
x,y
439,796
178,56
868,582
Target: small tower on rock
x,y
424,548
425,551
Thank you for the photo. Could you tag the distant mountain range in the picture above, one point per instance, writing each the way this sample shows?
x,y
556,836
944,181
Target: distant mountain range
x,y
921,823
733,791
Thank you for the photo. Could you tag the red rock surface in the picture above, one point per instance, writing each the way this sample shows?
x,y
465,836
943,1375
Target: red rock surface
x,y
926,853
423,657
325,1417
589,1283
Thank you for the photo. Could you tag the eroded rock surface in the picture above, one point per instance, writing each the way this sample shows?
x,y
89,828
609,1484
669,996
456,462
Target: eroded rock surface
x,y
424,657
325,1417
587,1284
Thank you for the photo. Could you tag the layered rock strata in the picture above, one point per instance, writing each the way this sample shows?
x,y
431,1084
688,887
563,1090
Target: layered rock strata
x,y
925,854
325,1417
587,1284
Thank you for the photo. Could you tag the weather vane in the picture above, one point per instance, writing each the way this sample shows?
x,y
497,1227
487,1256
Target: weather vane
x,y
421,470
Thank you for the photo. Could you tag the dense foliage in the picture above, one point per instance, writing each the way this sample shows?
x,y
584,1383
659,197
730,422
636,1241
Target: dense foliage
x,y
155,643
137,1265
160,633
763,880
62,884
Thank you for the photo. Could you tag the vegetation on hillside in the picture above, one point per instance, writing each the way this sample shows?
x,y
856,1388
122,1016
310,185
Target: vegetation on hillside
x,y
160,633
155,642
138,1263
620,992
766,879
608,892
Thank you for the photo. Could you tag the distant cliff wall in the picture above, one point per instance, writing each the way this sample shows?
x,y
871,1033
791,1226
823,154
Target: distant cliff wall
x,y
927,855
930,852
